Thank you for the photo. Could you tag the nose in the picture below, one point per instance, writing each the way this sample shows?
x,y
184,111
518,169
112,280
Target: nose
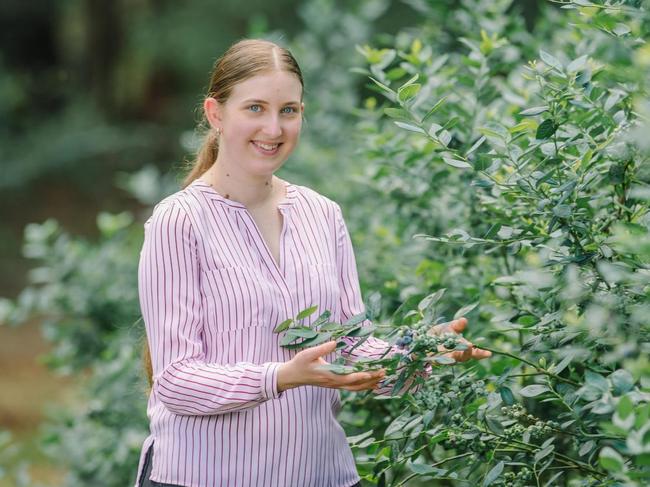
x,y
272,127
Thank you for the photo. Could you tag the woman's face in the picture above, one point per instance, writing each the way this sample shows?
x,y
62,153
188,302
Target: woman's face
x,y
260,122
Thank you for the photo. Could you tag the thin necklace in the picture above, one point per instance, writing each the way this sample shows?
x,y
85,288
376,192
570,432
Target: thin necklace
x,y
227,195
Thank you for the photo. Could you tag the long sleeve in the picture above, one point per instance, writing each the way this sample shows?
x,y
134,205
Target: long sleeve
x,y
169,285
352,304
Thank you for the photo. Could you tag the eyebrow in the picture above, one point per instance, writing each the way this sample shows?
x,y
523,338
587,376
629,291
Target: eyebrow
x,y
266,103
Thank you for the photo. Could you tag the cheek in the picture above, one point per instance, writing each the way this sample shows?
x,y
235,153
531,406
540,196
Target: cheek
x,y
294,128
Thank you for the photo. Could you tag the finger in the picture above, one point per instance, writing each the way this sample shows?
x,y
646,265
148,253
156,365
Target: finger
x,y
467,346
362,387
479,354
455,326
313,353
363,377
458,325
463,355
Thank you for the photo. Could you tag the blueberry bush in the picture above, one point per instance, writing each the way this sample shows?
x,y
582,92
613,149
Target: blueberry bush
x,y
522,163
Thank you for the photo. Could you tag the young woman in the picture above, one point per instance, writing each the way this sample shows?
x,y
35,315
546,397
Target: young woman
x,y
224,261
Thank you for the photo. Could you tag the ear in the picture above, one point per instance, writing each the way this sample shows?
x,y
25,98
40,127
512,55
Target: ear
x,y
212,110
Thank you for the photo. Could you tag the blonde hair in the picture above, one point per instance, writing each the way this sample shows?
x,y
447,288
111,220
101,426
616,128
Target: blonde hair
x,y
243,60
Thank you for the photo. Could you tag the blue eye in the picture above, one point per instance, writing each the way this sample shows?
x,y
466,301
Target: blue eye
x,y
253,106
292,110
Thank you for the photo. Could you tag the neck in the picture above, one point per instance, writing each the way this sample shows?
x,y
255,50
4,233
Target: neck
x,y
252,192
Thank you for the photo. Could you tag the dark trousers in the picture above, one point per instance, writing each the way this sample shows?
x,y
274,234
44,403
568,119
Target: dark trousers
x,y
146,472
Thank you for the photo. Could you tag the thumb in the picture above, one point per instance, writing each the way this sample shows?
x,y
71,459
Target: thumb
x,y
313,353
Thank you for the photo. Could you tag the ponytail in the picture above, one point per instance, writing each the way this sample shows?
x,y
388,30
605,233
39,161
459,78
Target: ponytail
x,y
205,157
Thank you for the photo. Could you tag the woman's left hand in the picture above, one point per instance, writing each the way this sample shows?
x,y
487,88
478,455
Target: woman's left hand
x,y
457,326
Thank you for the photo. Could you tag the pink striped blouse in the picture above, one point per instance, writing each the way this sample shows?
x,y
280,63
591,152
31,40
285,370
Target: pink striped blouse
x,y
211,294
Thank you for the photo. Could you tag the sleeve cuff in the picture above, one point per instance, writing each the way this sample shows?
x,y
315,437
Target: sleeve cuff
x,y
270,380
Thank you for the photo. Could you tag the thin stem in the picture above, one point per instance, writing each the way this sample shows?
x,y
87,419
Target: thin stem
x,y
533,365
462,455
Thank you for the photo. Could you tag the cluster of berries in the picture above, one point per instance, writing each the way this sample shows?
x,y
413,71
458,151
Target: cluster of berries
x,y
445,389
521,478
466,441
419,340
526,425
406,338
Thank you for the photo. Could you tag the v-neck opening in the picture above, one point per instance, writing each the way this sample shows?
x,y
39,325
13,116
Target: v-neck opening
x,y
262,247
277,264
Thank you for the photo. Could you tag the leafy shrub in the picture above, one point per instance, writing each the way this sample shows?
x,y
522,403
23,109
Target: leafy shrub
x,y
531,186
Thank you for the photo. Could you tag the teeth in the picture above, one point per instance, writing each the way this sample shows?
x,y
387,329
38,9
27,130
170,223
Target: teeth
x,y
267,146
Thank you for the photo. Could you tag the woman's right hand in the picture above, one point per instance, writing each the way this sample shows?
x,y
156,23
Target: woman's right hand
x,y
304,369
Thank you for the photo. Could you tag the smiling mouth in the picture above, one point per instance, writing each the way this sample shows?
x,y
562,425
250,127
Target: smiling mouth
x,y
266,148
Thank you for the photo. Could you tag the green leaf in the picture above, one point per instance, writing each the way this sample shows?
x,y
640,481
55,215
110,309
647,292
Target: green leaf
x,y
331,326
546,129
293,334
476,145
361,331
563,364
457,163
355,320
410,82
585,448
444,137
534,110
311,342
435,108
423,469
562,211
397,113
621,29
283,326
408,92
397,425
622,381
322,319
543,453
534,390
430,300
306,312
625,407
550,60
410,127
611,460
353,440
444,360
493,474
382,86
465,310
506,395
596,381
577,64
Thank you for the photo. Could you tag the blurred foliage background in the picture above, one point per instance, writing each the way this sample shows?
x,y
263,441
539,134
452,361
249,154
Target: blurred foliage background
x,y
99,102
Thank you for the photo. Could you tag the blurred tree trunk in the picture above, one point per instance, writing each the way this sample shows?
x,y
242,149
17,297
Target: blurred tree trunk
x,y
104,40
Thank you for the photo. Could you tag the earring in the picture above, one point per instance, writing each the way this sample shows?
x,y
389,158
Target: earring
x,y
218,131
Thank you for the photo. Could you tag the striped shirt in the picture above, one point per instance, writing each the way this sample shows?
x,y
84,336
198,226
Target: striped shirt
x,y
211,294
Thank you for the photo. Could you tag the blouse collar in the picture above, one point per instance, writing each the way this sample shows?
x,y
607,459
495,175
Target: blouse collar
x,y
212,194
